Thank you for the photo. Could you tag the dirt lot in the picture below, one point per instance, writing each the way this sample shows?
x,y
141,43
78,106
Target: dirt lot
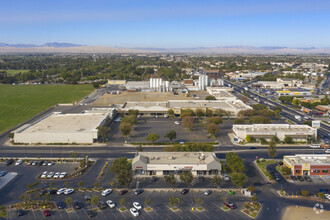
x,y
109,99
304,213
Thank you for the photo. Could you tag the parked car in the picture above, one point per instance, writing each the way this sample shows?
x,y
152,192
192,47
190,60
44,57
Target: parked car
x,y
68,191
111,204
42,192
176,122
252,148
34,163
44,174
45,163
60,205
61,191
226,177
50,163
29,163
91,213
77,205
20,212
184,191
18,162
122,192
50,174
56,175
293,178
3,173
300,178
102,204
88,197
137,205
277,177
230,205
52,191
47,213
207,192
39,163
134,212
63,174
307,178
153,179
138,191
9,161
106,192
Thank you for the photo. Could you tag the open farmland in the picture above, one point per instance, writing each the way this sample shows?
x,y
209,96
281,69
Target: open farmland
x,y
108,99
21,102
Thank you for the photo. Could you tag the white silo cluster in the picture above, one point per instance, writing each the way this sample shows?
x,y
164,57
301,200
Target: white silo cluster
x,y
158,84
203,82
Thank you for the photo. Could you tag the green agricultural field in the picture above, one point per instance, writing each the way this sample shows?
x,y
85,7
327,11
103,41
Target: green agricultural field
x,y
14,72
21,102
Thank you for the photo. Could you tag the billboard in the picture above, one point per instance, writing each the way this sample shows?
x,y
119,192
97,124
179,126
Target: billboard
x,y
316,124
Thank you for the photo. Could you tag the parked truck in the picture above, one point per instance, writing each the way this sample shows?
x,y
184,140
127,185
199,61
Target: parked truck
x,y
298,117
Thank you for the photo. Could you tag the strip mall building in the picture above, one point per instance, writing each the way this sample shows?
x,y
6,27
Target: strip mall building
x,y
308,164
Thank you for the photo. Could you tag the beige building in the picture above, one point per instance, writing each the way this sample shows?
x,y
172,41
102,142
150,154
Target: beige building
x,y
62,128
165,163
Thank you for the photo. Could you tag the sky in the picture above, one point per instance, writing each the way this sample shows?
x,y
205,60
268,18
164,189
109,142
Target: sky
x,y
167,24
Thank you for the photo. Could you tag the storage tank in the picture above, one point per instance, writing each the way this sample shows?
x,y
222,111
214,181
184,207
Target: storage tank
x,y
150,83
167,85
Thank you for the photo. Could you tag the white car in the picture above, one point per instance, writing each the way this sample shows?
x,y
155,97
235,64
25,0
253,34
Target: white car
x,y
45,163
50,175
327,196
68,191
50,163
134,212
44,174
57,175
111,204
176,122
327,151
34,163
61,191
315,146
106,192
137,205
19,162
63,174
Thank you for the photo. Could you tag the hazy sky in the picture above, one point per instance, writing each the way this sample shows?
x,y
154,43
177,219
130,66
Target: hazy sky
x,y
170,23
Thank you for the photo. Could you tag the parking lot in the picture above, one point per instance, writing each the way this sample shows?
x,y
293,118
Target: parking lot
x,y
159,203
160,126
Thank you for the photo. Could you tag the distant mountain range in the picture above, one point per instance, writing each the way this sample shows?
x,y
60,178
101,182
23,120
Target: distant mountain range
x,y
51,44
55,47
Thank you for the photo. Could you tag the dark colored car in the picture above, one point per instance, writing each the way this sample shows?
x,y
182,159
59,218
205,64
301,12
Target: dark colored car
x,y
90,213
277,178
138,191
52,191
47,213
9,161
280,163
39,163
3,173
60,205
293,178
252,148
77,205
300,178
230,205
102,205
20,212
184,191
122,192
308,179
153,179
43,192
201,178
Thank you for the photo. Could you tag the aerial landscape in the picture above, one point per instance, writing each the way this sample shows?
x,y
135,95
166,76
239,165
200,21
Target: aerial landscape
x,y
165,109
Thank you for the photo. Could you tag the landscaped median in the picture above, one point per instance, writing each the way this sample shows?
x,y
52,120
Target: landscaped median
x,y
251,209
262,164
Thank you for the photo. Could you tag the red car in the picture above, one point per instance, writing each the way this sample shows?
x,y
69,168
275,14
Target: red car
x,y
47,213
230,205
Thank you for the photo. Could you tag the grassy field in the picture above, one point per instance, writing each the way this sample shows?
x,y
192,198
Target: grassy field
x,y
14,72
21,102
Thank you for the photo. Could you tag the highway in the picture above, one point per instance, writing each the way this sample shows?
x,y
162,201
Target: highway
x,y
287,112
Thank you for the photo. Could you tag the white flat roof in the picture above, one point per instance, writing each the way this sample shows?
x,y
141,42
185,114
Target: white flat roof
x,y
66,123
313,159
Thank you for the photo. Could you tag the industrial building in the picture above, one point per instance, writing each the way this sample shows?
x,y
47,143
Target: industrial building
x,y
298,133
308,164
279,84
231,106
165,163
157,84
57,128
146,108
221,93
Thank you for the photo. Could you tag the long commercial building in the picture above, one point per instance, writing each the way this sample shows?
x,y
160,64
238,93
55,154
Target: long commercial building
x,y
296,132
308,164
165,163
62,128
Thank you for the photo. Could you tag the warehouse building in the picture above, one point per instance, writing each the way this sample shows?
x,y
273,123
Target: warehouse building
x,y
279,84
233,107
221,93
57,128
308,164
298,133
165,163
